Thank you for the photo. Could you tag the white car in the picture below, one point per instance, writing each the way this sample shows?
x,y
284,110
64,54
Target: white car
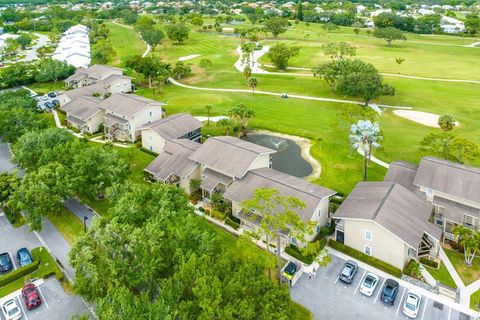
x,y
369,284
412,305
11,311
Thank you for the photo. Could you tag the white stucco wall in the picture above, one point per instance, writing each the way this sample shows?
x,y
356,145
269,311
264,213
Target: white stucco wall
x,y
152,141
94,122
262,161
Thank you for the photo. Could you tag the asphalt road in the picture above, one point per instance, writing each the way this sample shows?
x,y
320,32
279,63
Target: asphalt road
x,y
329,298
5,159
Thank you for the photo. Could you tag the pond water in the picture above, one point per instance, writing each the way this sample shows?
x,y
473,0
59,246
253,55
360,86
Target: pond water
x,y
288,158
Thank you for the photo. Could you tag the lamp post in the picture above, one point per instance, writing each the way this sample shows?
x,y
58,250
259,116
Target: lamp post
x,y
85,218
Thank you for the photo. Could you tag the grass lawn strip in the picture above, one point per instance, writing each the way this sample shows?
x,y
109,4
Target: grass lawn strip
x,y
68,224
441,274
468,274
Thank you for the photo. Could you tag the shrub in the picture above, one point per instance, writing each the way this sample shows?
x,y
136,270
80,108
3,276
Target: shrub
x,y
428,262
201,209
364,258
412,269
333,207
232,223
19,273
308,259
218,215
149,151
234,219
14,217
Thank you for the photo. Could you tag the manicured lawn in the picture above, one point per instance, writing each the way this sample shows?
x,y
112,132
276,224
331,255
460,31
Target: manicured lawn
x,y
125,42
468,274
46,87
442,275
475,301
302,313
68,225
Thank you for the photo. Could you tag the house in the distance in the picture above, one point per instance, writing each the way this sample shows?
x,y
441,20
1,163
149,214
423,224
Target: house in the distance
x,y
125,114
84,113
97,73
178,126
387,221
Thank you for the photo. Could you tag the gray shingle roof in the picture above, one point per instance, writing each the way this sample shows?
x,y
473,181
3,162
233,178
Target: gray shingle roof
x,y
450,178
112,78
95,72
393,207
174,160
402,173
83,107
228,155
309,193
175,126
96,88
127,104
455,211
76,121
212,178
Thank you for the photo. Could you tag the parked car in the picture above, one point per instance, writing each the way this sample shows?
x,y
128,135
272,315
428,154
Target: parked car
x,y
43,98
290,270
284,95
48,105
55,102
52,94
5,263
11,311
348,272
412,305
31,296
24,257
390,291
369,284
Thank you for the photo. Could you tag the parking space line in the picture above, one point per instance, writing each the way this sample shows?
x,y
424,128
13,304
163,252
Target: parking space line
x,y
379,290
360,282
13,261
424,308
43,297
336,280
21,307
401,300
449,312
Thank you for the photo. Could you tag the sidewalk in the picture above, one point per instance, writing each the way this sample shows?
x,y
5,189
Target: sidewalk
x,y
464,293
445,301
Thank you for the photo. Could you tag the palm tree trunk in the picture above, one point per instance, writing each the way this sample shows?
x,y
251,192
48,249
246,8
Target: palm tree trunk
x,y
364,165
279,258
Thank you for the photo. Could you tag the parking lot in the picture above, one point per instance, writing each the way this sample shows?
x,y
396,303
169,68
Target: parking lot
x,y
56,304
42,100
329,298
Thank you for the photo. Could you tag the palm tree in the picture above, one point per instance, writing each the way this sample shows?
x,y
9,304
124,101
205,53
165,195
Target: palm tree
x,y
470,240
225,124
446,122
364,135
208,108
253,82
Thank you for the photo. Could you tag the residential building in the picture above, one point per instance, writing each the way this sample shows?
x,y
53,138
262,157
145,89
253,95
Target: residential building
x,y
451,188
316,198
84,113
387,221
178,126
94,90
94,74
125,114
236,168
451,25
74,47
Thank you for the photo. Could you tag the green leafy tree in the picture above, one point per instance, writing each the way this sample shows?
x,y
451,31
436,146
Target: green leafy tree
x,y
356,31
280,53
181,70
9,183
299,12
470,240
152,36
151,67
21,73
252,83
205,64
247,72
44,51
276,26
53,70
464,149
208,109
225,124
241,115
389,34
24,41
16,121
103,52
339,50
278,216
446,122
177,32
365,135
439,144
329,27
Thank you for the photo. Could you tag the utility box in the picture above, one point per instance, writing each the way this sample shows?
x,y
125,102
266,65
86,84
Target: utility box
x,y
291,272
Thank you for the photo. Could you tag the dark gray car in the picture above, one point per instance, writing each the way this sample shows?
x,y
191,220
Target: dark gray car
x,y
348,272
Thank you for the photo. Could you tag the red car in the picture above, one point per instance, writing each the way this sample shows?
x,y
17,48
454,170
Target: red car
x,y
31,296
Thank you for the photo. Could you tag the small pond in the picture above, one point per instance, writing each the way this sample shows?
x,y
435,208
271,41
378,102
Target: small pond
x,y
288,158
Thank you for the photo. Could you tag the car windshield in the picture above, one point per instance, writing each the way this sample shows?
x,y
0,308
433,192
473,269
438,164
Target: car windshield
x,y
410,306
347,270
12,311
368,282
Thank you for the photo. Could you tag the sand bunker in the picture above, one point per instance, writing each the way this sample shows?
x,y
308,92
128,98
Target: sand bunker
x,y
425,118
192,56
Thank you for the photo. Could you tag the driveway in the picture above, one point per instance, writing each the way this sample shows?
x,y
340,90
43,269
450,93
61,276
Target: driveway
x,y
31,54
329,298
5,158
80,210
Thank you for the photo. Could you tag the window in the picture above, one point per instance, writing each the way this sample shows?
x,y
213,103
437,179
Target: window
x,y
319,212
317,228
150,113
438,210
439,222
150,148
368,235
367,250
470,221
430,193
294,241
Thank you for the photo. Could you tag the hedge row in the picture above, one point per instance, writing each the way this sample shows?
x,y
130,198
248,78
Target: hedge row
x,y
232,223
429,262
150,152
297,254
19,273
367,259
